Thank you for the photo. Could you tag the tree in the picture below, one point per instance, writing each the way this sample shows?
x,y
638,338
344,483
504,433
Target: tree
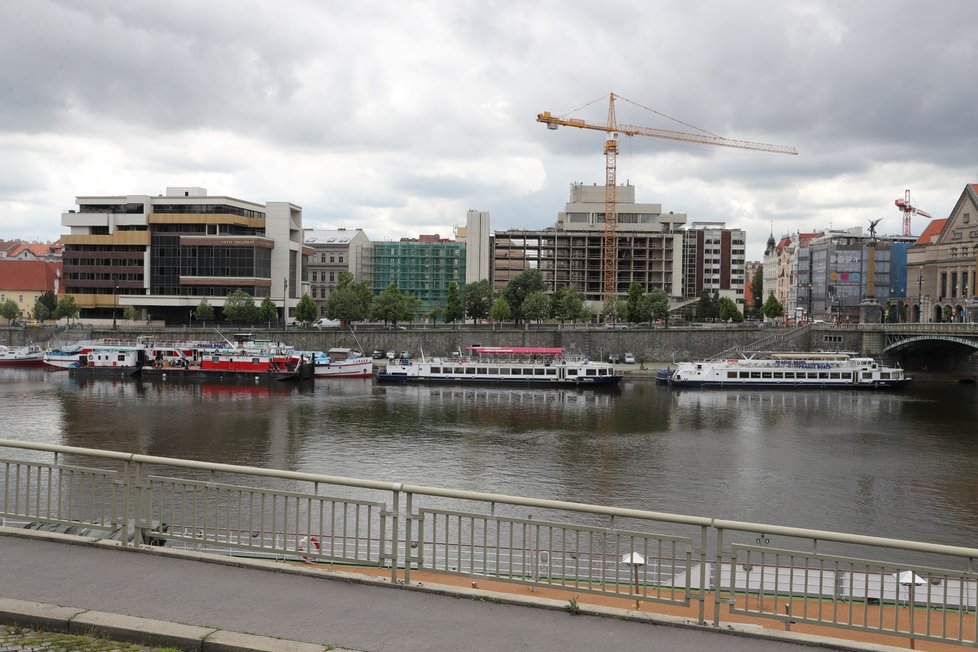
x,y
435,313
520,287
708,307
729,311
205,311
772,308
66,308
500,310
567,305
536,306
614,309
390,306
757,289
50,302
634,303
454,308
130,313
9,309
267,312
477,298
40,311
306,309
349,301
240,307
658,304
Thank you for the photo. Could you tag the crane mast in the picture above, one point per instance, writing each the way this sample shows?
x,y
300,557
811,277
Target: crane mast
x,y
909,208
610,244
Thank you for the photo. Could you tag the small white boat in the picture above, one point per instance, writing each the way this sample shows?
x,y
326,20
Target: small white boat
x,y
341,362
23,356
509,365
787,370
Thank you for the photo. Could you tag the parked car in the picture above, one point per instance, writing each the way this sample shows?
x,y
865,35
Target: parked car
x,y
613,358
391,355
324,322
378,354
629,358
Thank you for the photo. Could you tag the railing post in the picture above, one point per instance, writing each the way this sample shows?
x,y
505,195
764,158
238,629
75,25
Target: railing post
x,y
395,529
718,572
134,480
408,534
703,589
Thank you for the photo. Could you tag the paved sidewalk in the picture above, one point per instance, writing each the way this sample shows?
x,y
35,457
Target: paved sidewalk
x,y
286,604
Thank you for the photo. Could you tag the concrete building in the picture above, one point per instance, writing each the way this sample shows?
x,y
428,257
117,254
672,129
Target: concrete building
x,y
478,240
333,251
714,260
163,254
570,254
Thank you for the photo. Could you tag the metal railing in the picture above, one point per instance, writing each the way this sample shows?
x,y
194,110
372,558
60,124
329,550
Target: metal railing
x,y
744,570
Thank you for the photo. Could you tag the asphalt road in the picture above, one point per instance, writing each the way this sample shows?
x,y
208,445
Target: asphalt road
x,y
321,610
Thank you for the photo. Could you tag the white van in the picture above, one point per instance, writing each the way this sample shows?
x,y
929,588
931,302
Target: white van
x,y
323,322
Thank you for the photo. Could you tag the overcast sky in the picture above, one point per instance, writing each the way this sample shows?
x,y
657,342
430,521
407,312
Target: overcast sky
x,y
398,117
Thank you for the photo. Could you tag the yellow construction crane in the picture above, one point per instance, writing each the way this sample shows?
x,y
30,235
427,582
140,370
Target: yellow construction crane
x,y
610,246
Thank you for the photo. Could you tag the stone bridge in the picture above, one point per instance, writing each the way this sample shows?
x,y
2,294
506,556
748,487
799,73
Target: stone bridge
x,y
931,347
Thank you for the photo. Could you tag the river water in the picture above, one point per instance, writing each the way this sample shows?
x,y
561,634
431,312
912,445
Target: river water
x,y
900,464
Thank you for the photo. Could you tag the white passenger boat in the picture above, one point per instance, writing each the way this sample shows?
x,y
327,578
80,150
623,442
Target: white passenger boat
x,y
25,356
537,366
108,362
340,362
783,370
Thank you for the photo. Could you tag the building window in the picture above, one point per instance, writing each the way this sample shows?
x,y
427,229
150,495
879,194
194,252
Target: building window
x,y
314,277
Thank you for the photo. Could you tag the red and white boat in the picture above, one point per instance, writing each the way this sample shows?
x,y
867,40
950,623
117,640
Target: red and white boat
x,y
246,360
74,355
23,356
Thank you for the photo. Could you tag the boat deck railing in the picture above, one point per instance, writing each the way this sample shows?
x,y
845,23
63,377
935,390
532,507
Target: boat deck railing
x,y
712,570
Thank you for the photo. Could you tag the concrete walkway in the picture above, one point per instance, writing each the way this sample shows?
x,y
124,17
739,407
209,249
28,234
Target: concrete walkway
x,y
211,603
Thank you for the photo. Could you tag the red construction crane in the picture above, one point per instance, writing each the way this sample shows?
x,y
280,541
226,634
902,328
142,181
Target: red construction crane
x,y
909,208
610,245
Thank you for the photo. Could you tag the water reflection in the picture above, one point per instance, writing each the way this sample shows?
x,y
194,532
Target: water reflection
x,y
898,464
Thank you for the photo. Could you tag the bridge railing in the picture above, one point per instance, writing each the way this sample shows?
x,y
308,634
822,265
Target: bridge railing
x,y
785,575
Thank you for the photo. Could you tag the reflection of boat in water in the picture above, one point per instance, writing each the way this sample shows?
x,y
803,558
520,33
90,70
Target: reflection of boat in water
x,y
501,365
516,397
787,370
23,356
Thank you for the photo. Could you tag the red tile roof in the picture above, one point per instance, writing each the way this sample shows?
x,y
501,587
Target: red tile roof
x,y
29,276
929,236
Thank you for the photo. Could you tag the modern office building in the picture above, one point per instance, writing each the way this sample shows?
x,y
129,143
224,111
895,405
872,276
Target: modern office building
x,y
570,254
421,267
333,251
478,240
163,254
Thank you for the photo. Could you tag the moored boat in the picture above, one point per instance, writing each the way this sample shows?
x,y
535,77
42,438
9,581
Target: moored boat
x,y
247,361
24,356
787,370
538,366
340,362
109,363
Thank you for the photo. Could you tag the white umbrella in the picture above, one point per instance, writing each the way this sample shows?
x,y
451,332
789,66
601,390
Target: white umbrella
x,y
907,578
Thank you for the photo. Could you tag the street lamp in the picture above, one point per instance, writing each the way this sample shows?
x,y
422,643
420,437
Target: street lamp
x,y
115,304
920,306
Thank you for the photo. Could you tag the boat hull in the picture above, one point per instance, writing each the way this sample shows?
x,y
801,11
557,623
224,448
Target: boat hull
x,y
104,372
24,361
196,374
609,381
346,369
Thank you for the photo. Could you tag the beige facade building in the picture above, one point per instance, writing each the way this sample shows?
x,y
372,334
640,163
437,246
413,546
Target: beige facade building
x,y
333,251
943,265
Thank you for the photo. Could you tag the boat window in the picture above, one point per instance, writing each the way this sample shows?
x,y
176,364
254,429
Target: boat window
x,y
572,372
755,374
539,372
470,370
551,371
847,375
731,374
255,361
481,371
823,375
778,374
835,375
122,357
436,370
789,375
766,374
884,375
590,372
